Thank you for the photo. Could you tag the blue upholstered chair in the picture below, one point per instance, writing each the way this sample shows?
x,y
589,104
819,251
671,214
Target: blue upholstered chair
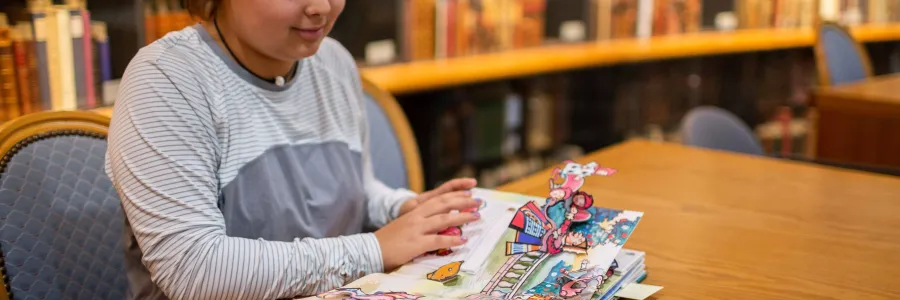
x,y
840,59
392,145
715,128
60,217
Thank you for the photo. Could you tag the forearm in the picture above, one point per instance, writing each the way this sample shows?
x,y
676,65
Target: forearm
x,y
221,267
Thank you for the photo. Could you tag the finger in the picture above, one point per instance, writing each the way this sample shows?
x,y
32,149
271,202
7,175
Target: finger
x,y
438,223
459,184
434,242
457,194
452,201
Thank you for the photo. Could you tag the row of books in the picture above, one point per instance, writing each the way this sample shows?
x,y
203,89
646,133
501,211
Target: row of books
x,y
410,30
58,59
386,31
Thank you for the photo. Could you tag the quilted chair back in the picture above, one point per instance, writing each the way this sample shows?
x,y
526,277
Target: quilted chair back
x,y
392,145
60,218
840,58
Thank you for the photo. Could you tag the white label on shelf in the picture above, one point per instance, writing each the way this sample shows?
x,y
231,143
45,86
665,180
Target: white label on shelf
x,y
726,21
77,25
380,52
572,31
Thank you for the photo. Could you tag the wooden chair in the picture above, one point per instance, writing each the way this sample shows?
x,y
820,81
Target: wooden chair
x,y
60,217
840,59
392,145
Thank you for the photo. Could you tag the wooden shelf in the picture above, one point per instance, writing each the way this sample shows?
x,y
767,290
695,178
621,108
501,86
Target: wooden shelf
x,y
410,77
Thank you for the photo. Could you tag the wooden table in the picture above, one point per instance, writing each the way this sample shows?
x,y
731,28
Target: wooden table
x,y
860,122
727,226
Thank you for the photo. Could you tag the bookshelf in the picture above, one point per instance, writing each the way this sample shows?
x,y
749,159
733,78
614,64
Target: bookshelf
x,y
498,93
411,77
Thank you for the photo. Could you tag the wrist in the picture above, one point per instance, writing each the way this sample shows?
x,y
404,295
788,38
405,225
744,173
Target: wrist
x,y
408,205
387,264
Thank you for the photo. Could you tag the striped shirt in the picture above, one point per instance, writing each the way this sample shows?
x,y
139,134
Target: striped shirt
x,y
236,188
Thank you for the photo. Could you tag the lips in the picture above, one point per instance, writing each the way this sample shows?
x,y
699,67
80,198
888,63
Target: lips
x,y
312,34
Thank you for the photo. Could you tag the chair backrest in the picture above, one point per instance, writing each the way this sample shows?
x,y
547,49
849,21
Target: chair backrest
x,y
60,217
840,58
392,145
715,128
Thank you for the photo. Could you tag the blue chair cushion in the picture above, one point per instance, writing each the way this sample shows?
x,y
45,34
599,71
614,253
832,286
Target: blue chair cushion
x,y
384,147
61,222
842,58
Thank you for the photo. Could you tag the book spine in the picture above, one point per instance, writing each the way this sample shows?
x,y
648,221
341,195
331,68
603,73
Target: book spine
x,y
453,16
33,82
66,65
440,36
20,57
604,20
104,67
53,60
88,46
76,27
423,33
10,94
644,24
40,32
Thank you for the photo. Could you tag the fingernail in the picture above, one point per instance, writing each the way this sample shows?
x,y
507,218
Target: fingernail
x,y
468,193
479,200
464,239
477,214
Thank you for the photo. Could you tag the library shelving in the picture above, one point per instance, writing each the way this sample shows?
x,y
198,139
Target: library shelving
x,y
408,77
497,89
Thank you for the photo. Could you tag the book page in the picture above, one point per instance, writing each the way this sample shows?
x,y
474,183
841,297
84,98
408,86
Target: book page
x,y
482,236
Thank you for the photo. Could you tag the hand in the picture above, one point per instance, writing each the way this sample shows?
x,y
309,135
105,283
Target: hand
x,y
416,232
571,214
462,184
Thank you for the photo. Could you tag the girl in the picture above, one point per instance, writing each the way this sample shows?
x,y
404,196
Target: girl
x,y
238,149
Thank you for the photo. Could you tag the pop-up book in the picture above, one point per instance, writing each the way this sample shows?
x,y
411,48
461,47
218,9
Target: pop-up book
x,y
524,247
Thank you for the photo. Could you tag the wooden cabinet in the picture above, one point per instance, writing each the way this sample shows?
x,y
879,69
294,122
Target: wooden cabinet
x,y
859,122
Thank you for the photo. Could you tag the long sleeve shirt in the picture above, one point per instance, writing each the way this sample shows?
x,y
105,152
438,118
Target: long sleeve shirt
x,y
236,188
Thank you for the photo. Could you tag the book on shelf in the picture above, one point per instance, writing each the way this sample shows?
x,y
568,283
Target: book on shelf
x,y
102,65
51,60
522,247
9,95
20,49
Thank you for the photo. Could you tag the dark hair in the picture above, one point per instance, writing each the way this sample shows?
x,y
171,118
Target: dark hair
x,y
203,9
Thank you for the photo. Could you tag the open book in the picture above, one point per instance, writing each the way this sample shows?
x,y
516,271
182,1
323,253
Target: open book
x,y
524,247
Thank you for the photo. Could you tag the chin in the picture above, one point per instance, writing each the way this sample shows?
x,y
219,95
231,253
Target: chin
x,y
303,50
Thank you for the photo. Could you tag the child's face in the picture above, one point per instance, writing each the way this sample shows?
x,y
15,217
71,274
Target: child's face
x,y
579,200
283,29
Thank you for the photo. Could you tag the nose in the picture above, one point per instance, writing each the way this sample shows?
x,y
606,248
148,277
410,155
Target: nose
x,y
318,8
